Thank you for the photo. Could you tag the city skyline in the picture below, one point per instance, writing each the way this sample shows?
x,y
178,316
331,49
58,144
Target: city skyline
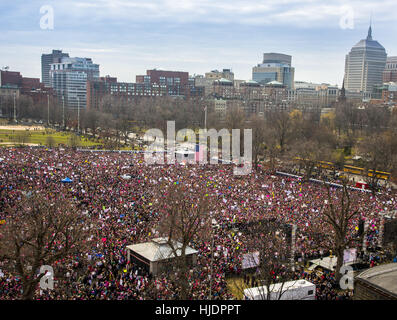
x,y
126,37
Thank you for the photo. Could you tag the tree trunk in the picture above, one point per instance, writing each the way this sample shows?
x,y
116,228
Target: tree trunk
x,y
339,263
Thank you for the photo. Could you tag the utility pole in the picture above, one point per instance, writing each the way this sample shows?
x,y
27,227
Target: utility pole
x,y
78,115
48,109
63,111
15,107
205,118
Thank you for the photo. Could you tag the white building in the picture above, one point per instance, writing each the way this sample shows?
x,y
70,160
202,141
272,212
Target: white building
x,y
69,79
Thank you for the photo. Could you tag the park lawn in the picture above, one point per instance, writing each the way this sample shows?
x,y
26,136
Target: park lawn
x,y
235,286
40,137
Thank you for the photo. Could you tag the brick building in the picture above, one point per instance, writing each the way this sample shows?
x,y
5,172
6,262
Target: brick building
x,y
31,87
390,72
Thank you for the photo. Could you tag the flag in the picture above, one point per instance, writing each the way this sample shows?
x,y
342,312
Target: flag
x,y
199,155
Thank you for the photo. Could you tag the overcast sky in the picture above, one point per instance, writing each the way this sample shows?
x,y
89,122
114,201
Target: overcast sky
x,y
127,37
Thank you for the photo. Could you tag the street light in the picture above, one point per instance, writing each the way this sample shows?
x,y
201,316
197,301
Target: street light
x,y
63,111
15,107
205,119
78,115
48,109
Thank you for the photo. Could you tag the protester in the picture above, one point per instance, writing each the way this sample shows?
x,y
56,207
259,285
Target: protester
x,y
120,193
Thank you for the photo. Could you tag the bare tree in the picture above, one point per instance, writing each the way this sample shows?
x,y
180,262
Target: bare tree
x,y
269,240
280,123
21,137
186,219
378,150
338,214
39,231
73,141
50,141
258,130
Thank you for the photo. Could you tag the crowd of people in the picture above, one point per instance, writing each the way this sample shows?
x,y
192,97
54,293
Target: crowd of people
x,y
123,197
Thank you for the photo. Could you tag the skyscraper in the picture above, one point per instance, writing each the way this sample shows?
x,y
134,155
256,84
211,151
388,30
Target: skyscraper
x,y
275,67
364,65
46,60
69,79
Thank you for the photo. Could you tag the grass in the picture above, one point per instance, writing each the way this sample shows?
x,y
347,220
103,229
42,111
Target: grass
x,y
235,286
40,137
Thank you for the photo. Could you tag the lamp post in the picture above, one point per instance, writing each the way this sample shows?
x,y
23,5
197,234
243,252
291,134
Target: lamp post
x,y
48,109
78,115
205,118
63,111
15,107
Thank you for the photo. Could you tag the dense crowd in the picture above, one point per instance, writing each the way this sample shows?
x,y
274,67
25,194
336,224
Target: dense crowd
x,y
117,191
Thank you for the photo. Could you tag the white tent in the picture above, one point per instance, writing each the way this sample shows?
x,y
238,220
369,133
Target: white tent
x,y
153,253
328,263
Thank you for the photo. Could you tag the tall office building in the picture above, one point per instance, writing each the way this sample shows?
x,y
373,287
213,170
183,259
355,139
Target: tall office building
x,y
275,67
46,61
364,65
390,72
69,80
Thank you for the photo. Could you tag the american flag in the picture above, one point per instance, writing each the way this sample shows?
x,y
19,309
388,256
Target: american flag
x,y
199,155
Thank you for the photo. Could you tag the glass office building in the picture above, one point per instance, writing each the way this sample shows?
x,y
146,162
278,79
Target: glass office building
x,y
69,80
275,67
364,65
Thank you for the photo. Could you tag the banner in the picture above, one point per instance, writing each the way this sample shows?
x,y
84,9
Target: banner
x,y
250,260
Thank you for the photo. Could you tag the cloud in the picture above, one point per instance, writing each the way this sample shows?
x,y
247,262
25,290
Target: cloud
x,y
129,36
251,12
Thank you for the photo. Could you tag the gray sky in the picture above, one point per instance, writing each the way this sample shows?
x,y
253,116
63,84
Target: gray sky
x,y
126,37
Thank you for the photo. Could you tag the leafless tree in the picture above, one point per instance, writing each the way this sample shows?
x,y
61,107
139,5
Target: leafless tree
x,y
268,238
338,214
186,218
257,125
40,231
21,137
379,151
280,123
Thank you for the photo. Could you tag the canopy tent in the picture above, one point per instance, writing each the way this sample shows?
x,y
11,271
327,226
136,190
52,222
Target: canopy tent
x,y
153,254
329,263
66,180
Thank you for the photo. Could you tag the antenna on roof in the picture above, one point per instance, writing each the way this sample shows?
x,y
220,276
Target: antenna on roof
x,y
369,37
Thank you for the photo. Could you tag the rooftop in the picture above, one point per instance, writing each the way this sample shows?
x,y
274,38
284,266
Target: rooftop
x,y
384,276
278,287
369,42
158,249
